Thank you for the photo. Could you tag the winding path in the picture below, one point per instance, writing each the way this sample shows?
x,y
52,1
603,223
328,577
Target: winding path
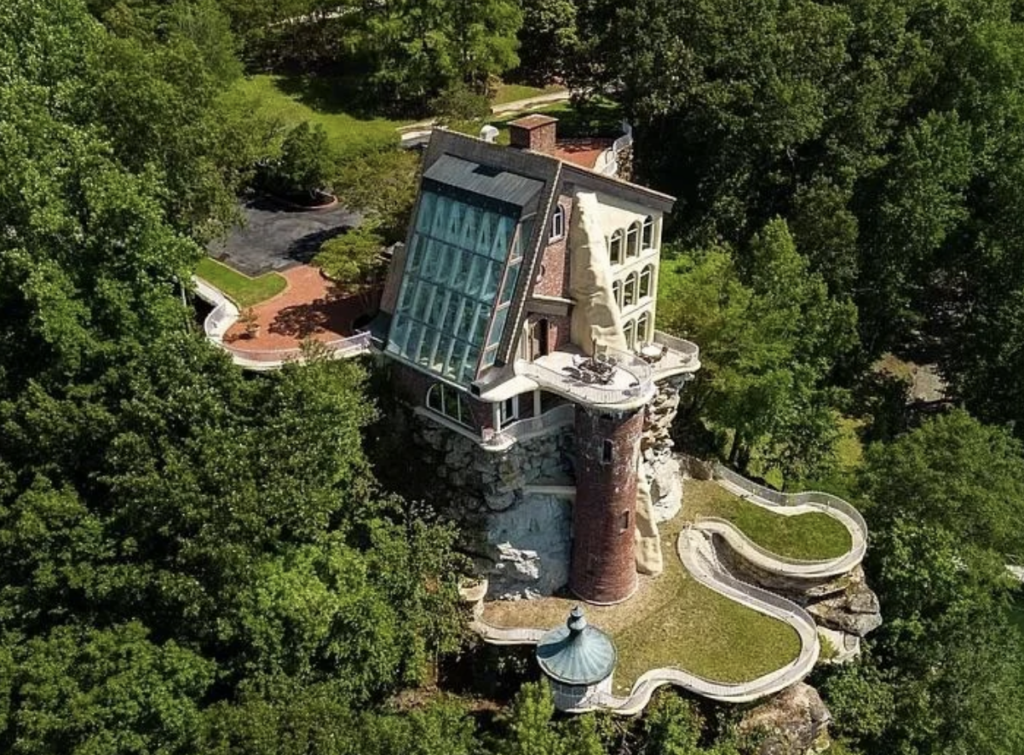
x,y
788,504
696,550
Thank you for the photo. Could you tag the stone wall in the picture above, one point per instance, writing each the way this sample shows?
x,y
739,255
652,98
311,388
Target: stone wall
x,y
520,539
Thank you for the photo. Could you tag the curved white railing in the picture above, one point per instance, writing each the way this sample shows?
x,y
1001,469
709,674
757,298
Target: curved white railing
x,y
225,314
527,428
633,382
789,504
697,555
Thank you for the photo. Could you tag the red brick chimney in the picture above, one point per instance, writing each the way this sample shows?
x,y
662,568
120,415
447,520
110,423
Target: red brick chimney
x,y
534,132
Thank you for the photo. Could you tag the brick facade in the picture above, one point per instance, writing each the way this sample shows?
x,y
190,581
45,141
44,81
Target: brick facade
x,y
603,568
553,273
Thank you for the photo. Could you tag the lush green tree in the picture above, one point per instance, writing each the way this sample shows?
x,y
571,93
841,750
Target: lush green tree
x,y
954,473
418,49
105,691
767,348
382,185
548,38
354,256
305,165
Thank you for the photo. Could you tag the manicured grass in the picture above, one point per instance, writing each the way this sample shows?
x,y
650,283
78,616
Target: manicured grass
x,y
241,289
812,536
292,100
671,622
512,92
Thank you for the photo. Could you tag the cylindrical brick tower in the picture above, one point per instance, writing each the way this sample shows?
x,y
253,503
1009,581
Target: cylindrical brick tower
x,y
603,568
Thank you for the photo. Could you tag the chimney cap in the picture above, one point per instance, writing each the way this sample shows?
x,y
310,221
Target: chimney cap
x,y
532,121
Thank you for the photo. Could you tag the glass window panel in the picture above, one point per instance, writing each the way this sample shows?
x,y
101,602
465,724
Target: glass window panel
x,y
476,277
491,281
489,358
617,292
498,327
439,218
454,366
469,366
509,286
615,248
426,212
483,314
437,309
648,232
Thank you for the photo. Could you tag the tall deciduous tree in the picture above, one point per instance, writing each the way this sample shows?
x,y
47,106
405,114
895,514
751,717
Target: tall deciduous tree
x,y
767,347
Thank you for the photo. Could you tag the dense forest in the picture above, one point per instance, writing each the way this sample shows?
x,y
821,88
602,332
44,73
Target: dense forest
x,y
199,561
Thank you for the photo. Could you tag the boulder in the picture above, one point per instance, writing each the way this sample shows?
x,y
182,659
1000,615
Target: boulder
x,y
793,722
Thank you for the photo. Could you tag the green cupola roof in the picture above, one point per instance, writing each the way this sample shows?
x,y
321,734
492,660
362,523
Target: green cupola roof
x,y
577,653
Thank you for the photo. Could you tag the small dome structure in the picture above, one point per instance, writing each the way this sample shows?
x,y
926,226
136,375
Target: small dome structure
x,y
578,659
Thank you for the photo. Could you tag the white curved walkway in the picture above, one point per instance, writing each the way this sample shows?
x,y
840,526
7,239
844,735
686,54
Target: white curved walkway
x,y
698,556
788,504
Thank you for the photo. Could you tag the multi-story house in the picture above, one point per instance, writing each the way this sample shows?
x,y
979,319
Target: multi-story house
x,y
521,322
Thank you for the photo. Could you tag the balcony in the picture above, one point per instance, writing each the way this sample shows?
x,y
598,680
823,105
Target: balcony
x,y
627,382
669,356
530,427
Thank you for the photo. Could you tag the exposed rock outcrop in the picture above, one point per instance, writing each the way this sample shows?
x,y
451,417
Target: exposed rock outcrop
x,y
793,722
843,603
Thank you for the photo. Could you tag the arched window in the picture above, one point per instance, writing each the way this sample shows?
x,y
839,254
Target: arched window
x,y
646,276
648,232
643,327
557,224
615,247
629,295
450,402
617,292
633,240
629,331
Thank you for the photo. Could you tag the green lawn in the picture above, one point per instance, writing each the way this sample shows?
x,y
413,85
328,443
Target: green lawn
x,y
811,536
320,101
241,289
512,92
671,622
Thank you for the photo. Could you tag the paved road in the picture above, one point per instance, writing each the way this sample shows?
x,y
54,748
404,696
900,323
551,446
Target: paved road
x,y
275,238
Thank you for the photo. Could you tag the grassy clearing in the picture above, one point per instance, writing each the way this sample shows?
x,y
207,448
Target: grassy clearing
x,y
809,536
241,289
512,92
672,622
292,100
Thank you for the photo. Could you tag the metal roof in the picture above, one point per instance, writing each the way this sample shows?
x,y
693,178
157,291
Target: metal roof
x,y
577,653
490,181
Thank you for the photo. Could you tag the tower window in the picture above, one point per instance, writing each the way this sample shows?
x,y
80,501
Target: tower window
x,y
624,521
606,452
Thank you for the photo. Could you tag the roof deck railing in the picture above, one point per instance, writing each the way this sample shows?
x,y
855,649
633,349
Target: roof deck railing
x,y
632,380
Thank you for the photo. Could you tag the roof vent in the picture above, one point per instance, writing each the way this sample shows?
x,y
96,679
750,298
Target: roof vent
x,y
489,133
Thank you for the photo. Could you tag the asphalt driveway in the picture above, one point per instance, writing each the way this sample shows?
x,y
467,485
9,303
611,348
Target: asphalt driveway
x,y
274,237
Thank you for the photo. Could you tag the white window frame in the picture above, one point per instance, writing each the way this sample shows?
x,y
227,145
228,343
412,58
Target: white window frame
x,y
557,224
437,394
617,238
633,240
645,292
508,411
